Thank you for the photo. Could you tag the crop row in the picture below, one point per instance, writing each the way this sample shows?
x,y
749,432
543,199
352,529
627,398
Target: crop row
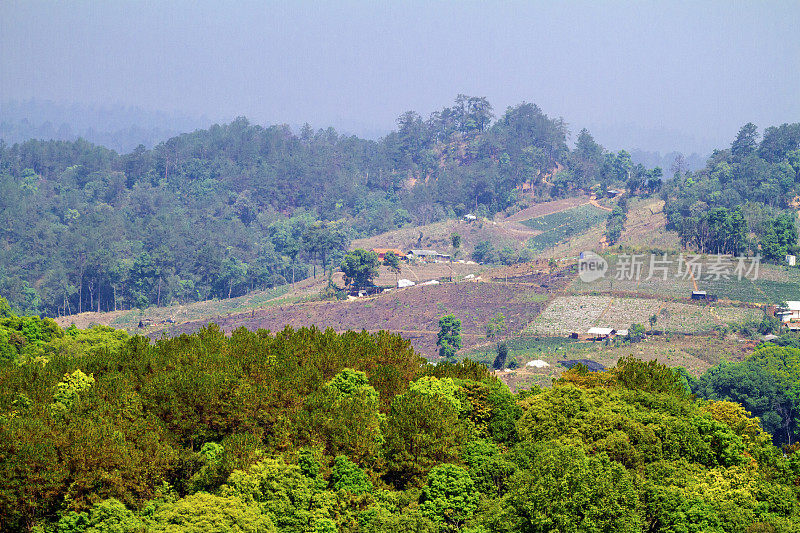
x,y
558,227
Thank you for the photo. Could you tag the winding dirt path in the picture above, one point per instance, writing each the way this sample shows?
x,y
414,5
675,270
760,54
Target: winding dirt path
x,y
595,203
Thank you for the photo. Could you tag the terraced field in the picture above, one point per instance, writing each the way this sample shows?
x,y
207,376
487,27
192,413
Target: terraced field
x,y
557,227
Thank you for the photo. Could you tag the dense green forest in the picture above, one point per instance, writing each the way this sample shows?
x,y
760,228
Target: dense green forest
x,y
311,431
738,202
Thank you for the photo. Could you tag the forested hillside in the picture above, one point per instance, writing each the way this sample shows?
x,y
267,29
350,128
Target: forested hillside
x,y
219,212
739,202
310,431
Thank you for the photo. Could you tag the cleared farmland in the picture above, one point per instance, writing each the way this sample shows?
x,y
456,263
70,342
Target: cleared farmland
x,y
413,312
773,283
695,354
567,314
560,226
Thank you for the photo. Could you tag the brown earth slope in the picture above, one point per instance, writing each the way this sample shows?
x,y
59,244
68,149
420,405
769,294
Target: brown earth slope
x,y
502,231
414,312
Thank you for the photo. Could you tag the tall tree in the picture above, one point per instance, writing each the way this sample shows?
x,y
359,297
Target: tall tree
x,y
449,337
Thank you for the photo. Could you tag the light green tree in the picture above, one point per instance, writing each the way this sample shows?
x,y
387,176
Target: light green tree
x,y
68,389
281,491
207,513
441,387
450,497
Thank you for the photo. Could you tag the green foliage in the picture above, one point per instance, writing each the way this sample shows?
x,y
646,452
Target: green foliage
x,y
350,381
455,241
450,497
616,221
449,337
489,469
108,516
779,237
347,476
766,384
636,332
558,227
205,214
484,252
25,338
496,326
280,491
444,388
564,490
650,376
5,308
207,513
68,390
502,355
318,431
392,260
360,267
744,189
111,516
347,401
416,441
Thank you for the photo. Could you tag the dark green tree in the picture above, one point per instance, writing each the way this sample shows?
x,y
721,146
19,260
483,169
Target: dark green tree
x,y
360,267
449,337
392,260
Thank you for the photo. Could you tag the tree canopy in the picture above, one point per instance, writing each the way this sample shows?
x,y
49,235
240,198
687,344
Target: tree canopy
x,y
304,430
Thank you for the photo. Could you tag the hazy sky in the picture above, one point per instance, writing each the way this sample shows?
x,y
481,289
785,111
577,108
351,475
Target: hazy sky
x,y
655,75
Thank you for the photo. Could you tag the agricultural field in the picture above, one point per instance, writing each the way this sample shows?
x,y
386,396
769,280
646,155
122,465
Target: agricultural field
x,y
695,354
774,283
501,231
676,284
542,209
567,314
557,227
156,317
412,312
646,226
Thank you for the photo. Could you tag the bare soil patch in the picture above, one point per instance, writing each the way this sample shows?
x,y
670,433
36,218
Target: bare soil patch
x,y
413,312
